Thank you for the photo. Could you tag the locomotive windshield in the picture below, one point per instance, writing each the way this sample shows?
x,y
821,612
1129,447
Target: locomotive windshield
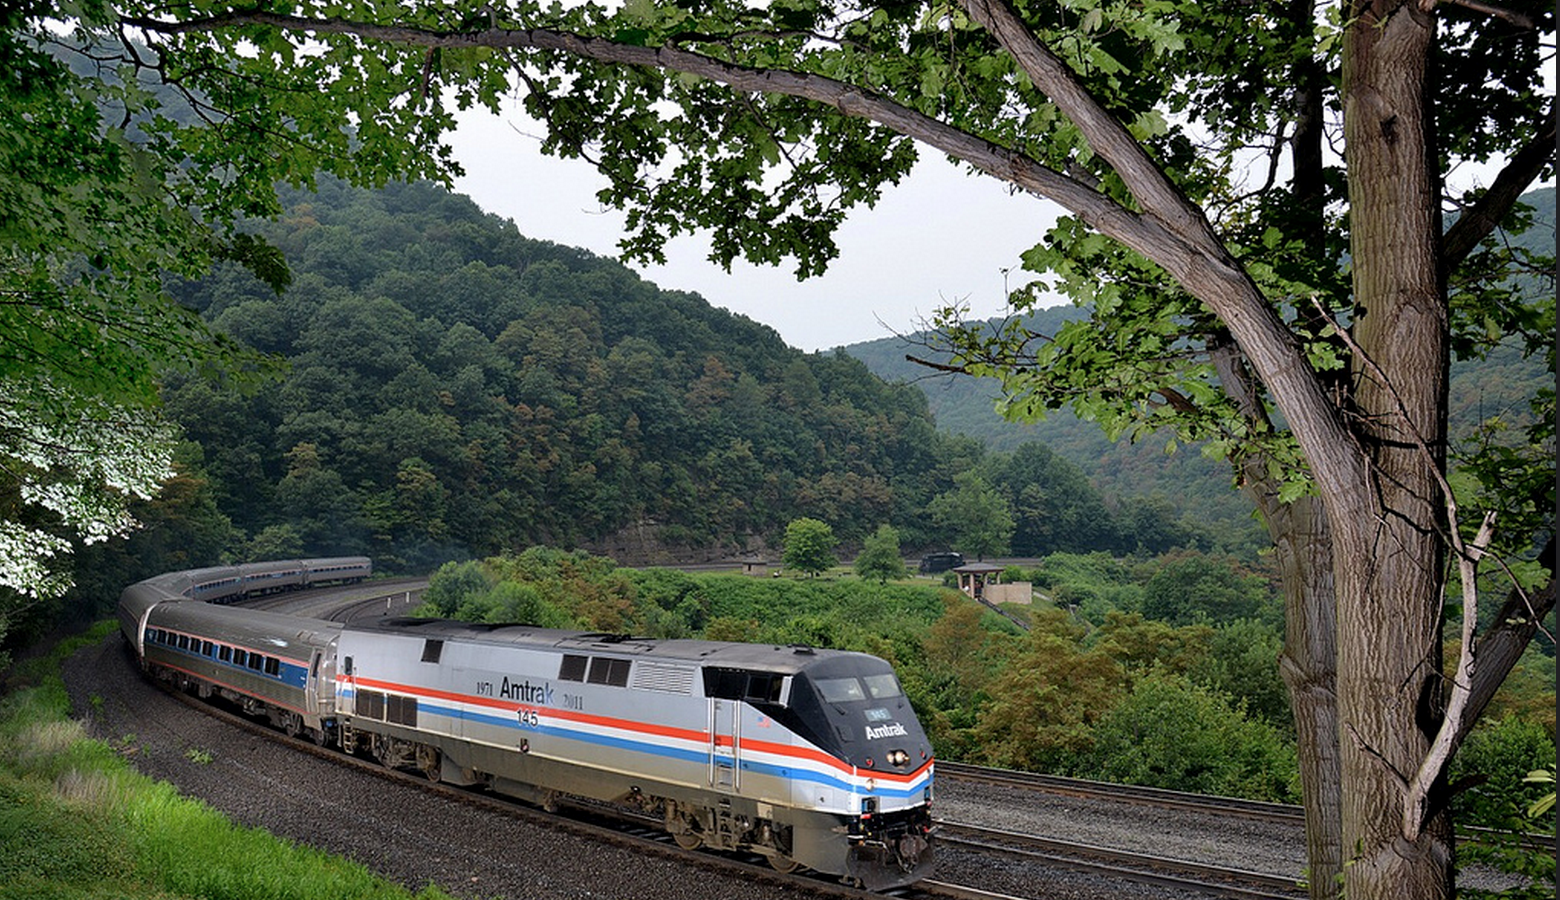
x,y
853,708
840,690
847,690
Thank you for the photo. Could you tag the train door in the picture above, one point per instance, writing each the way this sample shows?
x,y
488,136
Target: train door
x,y
320,687
725,744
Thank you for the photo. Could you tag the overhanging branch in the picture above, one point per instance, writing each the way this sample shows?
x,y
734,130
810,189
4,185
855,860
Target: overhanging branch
x,y
1475,224
1001,162
1172,232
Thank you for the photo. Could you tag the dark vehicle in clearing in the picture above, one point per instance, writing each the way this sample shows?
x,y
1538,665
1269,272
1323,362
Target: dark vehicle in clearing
x,y
936,563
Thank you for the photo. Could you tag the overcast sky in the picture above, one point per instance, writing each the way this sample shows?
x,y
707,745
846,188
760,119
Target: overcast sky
x,y
941,235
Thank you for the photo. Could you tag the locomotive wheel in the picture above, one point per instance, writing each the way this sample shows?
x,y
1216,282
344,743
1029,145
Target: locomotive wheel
x,y
785,865
688,840
428,762
379,748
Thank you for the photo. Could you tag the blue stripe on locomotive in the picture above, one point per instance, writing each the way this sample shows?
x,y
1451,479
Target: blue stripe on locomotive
x,y
652,749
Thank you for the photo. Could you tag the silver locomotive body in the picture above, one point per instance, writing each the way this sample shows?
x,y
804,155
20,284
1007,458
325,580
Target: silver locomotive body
x,y
809,757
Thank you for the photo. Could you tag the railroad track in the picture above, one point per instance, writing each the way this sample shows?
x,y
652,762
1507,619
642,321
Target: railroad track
x,y
608,825
620,827
1160,798
1121,793
386,596
1141,868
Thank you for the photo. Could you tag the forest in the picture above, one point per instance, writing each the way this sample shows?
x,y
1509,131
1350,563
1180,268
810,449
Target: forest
x,y
449,389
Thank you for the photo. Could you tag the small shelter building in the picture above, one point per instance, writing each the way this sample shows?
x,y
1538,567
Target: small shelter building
x,y
982,581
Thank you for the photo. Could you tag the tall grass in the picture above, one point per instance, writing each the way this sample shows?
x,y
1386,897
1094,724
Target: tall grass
x,y
78,823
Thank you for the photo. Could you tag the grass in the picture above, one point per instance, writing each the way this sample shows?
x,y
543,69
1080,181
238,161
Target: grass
x,y
78,823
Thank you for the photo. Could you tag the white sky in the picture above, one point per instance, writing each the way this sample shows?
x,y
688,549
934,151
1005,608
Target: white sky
x,y
941,235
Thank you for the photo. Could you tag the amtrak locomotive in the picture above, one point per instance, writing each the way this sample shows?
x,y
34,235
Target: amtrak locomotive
x,y
812,758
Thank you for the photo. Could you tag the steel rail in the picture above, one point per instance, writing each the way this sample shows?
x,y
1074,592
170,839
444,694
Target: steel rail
x,y
1121,793
1127,865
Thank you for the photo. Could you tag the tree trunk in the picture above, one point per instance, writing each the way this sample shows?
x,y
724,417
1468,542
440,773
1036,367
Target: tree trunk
x,y
1388,556
1303,545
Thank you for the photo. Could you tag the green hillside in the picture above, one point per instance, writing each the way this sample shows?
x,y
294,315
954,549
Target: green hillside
x,y
1497,385
1192,484
453,390
456,389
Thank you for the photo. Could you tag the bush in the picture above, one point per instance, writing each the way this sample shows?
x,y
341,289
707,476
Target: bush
x,y
1242,663
452,586
1496,757
1171,733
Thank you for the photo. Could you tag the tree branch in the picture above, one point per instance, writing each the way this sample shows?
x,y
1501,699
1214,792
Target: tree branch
x,y
1475,224
1173,232
1106,135
852,100
1416,801
1519,618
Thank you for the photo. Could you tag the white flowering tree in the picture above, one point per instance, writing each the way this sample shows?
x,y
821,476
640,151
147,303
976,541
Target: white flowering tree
x,y
70,467
97,210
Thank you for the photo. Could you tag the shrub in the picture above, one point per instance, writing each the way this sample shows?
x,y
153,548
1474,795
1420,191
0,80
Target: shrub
x,y
1171,733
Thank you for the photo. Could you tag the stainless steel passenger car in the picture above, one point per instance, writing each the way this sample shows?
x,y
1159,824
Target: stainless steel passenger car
x,y
336,570
269,664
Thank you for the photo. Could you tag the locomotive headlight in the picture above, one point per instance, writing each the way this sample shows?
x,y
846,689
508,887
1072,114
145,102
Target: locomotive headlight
x,y
898,758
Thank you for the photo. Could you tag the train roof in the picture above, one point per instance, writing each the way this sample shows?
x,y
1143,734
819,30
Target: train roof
x,y
760,657
236,622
